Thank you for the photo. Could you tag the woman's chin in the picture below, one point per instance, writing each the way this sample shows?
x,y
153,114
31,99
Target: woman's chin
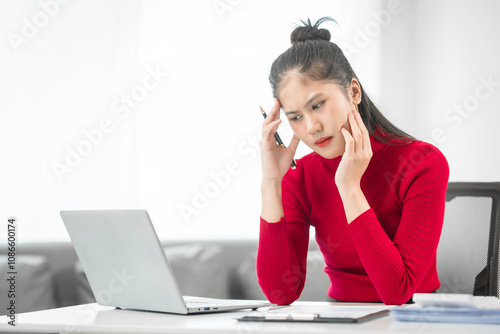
x,y
329,154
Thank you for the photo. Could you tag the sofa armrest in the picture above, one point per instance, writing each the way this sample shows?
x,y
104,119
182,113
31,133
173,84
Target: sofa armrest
x,y
32,288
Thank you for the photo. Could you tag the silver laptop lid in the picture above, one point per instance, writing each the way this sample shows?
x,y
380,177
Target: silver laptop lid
x,y
124,260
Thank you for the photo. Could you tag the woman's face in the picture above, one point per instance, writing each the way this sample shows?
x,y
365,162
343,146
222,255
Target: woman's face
x,y
317,111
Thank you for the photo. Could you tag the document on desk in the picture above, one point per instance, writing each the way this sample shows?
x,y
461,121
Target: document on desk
x,y
320,313
452,315
451,308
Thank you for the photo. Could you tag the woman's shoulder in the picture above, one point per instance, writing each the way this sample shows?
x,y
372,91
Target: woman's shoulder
x,y
413,165
403,145
418,158
419,150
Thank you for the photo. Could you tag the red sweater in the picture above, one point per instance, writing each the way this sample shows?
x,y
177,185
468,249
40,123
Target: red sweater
x,y
386,254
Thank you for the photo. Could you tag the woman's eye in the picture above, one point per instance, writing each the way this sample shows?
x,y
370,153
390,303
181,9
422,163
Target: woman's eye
x,y
317,105
295,118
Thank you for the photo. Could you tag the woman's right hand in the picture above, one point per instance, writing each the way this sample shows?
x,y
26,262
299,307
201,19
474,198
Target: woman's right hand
x,y
276,159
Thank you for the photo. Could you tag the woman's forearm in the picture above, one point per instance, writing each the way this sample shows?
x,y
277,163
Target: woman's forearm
x,y
272,207
354,202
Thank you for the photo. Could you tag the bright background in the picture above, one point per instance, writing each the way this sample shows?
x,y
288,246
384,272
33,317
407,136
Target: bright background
x,y
68,67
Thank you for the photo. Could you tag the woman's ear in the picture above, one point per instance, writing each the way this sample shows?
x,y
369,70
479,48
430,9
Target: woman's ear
x,y
355,90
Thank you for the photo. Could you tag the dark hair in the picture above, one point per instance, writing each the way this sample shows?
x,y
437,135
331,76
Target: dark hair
x,y
313,56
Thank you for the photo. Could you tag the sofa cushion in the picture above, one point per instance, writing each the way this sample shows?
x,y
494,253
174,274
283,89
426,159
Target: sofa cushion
x,y
315,289
199,268
33,284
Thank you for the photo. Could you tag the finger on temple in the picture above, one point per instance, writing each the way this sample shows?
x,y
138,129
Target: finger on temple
x,y
275,110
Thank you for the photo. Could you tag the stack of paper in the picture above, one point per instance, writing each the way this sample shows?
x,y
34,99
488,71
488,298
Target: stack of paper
x,y
434,307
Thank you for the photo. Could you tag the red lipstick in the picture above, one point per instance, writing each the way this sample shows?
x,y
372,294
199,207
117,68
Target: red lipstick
x,y
322,142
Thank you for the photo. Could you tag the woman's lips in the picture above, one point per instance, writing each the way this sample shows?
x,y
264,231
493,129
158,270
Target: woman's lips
x,y
322,142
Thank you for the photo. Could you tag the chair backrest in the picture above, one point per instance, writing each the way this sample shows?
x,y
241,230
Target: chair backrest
x,y
468,251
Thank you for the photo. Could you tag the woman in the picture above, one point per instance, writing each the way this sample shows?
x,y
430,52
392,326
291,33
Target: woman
x,y
374,194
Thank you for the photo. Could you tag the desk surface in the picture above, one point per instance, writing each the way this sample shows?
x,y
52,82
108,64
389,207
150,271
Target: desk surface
x,y
92,318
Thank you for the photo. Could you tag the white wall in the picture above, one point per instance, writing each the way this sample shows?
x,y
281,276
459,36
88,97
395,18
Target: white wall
x,y
436,56
457,53
202,118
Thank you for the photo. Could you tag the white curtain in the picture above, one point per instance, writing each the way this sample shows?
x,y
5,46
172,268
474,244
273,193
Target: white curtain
x,y
140,104
155,104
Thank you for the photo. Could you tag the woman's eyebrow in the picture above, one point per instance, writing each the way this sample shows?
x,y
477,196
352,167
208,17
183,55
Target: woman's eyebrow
x,y
311,100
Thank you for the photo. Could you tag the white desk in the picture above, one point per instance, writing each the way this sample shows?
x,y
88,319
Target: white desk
x,y
91,318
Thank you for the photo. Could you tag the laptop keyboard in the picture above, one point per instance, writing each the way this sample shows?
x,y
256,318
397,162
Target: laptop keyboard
x,y
219,302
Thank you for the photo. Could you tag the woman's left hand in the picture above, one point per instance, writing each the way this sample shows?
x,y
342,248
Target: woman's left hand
x,y
357,155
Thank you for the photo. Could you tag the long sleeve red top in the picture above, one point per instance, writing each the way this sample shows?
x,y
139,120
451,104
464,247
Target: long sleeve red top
x,y
386,254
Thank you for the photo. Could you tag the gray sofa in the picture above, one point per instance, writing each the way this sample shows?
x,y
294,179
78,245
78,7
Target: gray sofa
x,y
49,274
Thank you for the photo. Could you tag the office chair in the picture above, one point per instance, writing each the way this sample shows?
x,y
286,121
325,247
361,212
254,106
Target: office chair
x,y
468,251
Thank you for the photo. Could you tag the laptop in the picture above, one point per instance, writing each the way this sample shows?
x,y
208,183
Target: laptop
x,y
126,266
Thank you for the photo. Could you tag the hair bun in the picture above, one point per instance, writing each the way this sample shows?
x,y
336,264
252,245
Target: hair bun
x,y
311,32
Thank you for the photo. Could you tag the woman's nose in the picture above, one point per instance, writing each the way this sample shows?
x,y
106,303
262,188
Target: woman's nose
x,y
313,125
